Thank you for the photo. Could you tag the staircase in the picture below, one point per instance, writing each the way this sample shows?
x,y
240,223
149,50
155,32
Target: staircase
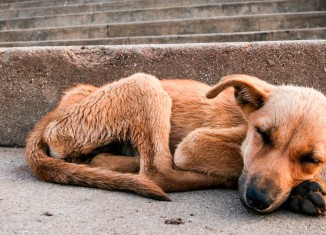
x,y
117,22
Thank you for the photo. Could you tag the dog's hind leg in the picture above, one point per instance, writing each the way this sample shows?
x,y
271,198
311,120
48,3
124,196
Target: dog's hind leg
x,y
123,164
149,123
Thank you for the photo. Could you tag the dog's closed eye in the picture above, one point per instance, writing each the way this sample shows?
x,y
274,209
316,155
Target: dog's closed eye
x,y
265,135
309,158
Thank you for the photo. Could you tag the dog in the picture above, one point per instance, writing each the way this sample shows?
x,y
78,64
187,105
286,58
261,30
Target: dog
x,y
153,136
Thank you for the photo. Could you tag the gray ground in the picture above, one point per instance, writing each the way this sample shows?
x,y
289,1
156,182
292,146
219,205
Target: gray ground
x,y
29,206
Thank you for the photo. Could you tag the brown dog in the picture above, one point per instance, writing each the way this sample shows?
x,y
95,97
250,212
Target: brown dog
x,y
274,135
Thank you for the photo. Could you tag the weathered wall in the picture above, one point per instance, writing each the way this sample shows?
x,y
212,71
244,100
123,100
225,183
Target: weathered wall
x,y
32,79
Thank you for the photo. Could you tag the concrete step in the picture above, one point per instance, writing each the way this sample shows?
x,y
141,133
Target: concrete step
x,y
53,3
275,35
12,1
232,24
152,14
104,6
15,4
32,79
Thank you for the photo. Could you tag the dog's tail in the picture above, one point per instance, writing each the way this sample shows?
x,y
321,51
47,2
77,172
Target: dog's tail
x,y
57,171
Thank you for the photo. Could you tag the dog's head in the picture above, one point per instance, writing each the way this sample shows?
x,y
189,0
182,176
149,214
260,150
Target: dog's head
x,y
286,139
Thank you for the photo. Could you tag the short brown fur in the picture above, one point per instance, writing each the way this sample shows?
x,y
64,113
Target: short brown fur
x,y
188,135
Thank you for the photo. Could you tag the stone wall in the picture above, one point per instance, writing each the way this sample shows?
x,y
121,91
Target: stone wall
x,y
33,79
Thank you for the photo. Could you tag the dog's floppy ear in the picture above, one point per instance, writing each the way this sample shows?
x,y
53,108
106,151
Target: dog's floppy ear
x,y
250,92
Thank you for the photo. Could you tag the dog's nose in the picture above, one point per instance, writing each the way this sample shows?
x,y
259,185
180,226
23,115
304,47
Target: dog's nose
x,y
257,200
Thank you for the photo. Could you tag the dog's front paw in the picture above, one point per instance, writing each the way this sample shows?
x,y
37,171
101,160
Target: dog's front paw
x,y
308,198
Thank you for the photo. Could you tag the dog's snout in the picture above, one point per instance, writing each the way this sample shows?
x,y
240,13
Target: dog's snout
x,y
257,200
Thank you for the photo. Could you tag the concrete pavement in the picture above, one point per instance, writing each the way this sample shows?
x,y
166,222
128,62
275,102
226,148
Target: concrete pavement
x,y
29,206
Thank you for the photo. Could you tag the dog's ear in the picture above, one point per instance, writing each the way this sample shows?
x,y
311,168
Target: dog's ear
x,y
250,92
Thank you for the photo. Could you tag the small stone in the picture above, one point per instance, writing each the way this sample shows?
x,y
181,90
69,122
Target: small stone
x,y
176,221
47,213
271,62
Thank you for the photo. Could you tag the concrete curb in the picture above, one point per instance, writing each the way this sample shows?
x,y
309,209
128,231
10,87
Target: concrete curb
x,y
32,79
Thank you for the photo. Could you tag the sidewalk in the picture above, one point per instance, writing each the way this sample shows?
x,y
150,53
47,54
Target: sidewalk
x,y
29,206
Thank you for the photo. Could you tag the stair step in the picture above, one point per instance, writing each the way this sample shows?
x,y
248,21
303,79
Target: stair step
x,y
4,2
105,6
53,3
16,4
173,27
275,35
153,14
